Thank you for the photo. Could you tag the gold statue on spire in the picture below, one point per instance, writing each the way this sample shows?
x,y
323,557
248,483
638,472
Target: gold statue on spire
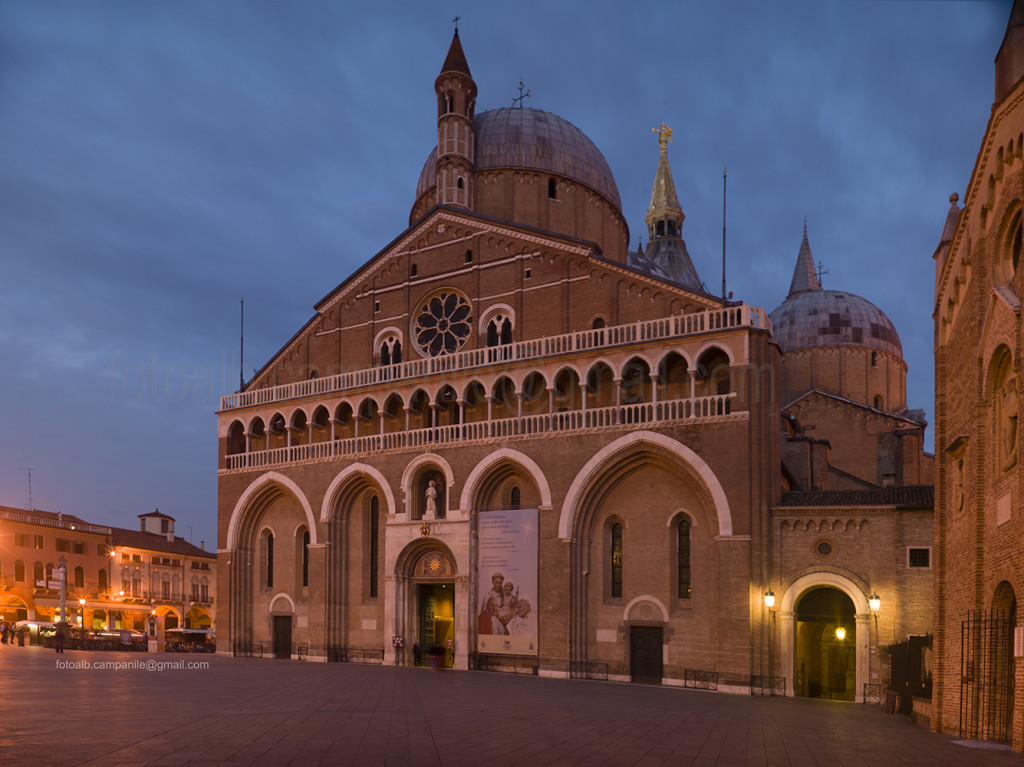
x,y
664,136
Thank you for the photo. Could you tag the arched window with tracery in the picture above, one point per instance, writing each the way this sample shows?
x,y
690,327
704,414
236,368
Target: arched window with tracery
x,y
499,332
390,350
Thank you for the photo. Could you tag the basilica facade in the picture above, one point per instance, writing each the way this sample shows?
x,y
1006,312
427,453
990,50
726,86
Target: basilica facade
x,y
509,436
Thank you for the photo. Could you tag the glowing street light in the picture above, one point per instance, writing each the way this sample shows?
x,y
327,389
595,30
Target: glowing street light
x,y
840,633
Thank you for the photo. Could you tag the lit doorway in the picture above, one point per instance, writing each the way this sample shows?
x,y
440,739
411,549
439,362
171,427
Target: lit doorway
x,y
436,620
826,645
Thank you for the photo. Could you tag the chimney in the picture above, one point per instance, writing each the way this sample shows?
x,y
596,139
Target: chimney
x,y
202,545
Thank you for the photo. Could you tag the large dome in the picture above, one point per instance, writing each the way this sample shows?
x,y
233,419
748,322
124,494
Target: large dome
x,y
535,140
818,318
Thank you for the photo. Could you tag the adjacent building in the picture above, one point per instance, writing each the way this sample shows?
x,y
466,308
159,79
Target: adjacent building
x,y
146,579
979,676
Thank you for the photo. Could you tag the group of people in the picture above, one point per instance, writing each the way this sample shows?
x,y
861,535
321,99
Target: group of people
x,y
7,632
504,612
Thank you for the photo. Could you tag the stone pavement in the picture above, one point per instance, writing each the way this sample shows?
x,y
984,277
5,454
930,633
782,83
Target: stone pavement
x,y
269,712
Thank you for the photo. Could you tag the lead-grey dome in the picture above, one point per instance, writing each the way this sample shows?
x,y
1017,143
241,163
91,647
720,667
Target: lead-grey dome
x,y
833,318
536,140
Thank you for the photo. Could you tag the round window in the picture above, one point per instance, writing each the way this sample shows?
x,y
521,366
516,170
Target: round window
x,y
443,324
824,548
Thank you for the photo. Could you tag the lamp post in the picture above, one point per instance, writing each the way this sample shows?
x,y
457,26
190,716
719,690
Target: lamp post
x,y
81,616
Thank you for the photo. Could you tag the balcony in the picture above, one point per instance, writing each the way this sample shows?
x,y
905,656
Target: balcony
x,y
694,409
734,317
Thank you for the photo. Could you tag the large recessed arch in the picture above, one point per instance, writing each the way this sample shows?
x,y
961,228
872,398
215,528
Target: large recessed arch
x,y
348,473
585,476
262,489
513,456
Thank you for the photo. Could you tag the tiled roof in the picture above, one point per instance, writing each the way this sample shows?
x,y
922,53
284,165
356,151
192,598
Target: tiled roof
x,y
138,539
907,496
156,513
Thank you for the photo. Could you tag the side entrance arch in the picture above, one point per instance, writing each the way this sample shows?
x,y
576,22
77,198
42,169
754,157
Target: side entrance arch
x,y
825,647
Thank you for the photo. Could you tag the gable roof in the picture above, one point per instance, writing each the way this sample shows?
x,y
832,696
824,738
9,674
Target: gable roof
x,y
905,417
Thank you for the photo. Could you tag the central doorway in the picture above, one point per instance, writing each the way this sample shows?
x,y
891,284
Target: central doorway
x,y
645,654
826,645
436,620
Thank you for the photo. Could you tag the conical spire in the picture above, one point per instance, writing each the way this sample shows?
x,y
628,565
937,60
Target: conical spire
x,y
805,278
664,205
456,59
665,246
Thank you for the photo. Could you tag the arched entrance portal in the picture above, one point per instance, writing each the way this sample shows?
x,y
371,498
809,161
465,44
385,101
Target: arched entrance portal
x,y
843,604
433,601
826,645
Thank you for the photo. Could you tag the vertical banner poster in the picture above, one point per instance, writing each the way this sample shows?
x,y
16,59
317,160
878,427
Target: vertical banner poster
x,y
507,578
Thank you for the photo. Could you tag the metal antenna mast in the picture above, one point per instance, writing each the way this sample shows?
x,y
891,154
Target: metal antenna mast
x,y
30,506
724,294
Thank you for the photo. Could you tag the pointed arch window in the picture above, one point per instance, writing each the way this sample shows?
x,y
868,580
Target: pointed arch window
x,y
374,545
615,560
305,558
514,498
683,558
269,559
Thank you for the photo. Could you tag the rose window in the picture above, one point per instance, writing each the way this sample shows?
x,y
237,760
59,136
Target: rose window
x,y
443,324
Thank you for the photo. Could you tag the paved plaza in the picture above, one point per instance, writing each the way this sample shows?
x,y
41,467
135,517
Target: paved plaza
x,y
238,711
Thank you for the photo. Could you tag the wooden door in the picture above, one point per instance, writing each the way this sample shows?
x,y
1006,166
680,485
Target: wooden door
x,y
645,654
283,636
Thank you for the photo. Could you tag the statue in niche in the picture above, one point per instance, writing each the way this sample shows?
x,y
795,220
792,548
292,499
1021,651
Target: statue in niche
x,y
1008,423
431,499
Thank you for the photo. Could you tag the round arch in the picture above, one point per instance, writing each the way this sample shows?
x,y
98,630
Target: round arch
x,y
264,488
712,345
648,598
787,624
411,469
585,476
273,601
522,460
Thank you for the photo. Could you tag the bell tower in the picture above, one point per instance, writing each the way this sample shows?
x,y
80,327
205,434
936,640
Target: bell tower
x,y
456,100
